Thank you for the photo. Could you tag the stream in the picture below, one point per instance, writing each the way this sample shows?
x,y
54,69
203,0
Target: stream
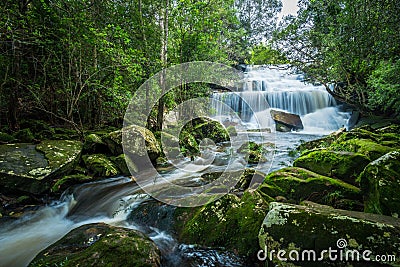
x,y
115,200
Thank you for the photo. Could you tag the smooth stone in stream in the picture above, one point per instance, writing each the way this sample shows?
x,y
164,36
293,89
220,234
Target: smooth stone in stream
x,y
101,245
33,168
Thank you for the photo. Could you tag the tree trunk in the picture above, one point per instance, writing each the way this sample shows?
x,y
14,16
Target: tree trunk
x,y
164,58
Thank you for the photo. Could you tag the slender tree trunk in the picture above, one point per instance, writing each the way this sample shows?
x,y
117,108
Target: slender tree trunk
x,y
164,58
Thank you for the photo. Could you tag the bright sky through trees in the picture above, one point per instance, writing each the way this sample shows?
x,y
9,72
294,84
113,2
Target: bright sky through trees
x,y
289,7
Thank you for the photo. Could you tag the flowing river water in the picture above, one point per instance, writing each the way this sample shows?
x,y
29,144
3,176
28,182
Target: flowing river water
x,y
115,200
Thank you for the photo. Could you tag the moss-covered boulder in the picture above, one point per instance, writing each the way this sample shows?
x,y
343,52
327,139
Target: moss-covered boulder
x,y
243,178
338,164
139,142
99,165
299,229
100,245
323,142
380,183
254,153
188,144
94,145
33,168
120,162
367,147
230,222
202,128
297,184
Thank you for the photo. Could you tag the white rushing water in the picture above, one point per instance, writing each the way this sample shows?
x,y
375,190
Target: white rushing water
x,y
280,88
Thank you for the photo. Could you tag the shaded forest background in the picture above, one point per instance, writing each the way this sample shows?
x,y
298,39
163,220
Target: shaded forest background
x,y
78,63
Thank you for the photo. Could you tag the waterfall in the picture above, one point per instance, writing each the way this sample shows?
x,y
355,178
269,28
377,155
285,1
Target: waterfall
x,y
279,88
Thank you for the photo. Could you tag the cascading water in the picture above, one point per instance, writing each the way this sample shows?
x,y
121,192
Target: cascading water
x,y
266,88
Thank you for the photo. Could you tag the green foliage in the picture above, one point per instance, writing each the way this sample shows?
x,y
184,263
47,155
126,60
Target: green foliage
x,y
265,54
385,84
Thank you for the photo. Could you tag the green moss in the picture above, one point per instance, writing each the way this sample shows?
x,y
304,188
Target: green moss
x,y
342,165
100,245
254,153
371,149
188,144
297,184
228,222
318,227
137,138
120,162
380,183
60,152
62,184
100,165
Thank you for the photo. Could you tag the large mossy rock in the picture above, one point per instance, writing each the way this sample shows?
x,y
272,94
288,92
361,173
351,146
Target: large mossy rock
x,y
202,128
338,164
317,227
254,153
139,142
380,182
367,147
243,178
100,245
286,122
297,184
33,168
94,145
99,165
230,222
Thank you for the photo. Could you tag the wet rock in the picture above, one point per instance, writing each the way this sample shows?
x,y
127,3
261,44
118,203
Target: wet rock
x,y
338,164
317,227
322,142
33,168
208,128
99,165
140,142
254,153
230,222
380,182
120,162
231,130
100,245
68,180
243,178
369,148
94,145
188,144
285,122
297,184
